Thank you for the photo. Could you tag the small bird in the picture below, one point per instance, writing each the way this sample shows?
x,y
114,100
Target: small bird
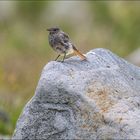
x,y
61,43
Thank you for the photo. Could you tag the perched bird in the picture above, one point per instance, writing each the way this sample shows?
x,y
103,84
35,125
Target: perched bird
x,y
61,43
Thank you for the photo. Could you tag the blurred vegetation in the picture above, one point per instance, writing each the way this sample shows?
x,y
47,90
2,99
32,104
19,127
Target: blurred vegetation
x,y
123,19
24,48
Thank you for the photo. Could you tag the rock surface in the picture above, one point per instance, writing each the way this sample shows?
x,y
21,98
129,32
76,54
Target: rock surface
x,y
134,57
94,99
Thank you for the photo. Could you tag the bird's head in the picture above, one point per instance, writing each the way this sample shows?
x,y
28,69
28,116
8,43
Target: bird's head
x,y
53,29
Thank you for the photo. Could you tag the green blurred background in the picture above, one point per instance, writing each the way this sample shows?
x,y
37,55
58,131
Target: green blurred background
x,y
24,48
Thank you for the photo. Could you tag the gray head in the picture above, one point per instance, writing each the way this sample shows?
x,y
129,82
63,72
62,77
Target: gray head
x,y
53,30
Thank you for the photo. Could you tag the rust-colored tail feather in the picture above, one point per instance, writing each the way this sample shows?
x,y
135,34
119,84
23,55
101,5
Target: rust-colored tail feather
x,y
79,53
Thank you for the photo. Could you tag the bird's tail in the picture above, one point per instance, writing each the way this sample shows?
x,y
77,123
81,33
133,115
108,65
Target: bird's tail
x,y
78,53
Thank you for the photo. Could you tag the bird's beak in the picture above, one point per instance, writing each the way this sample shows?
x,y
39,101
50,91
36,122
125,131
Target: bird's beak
x,y
48,29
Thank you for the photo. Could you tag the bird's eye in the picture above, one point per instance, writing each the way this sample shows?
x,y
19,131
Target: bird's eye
x,y
56,29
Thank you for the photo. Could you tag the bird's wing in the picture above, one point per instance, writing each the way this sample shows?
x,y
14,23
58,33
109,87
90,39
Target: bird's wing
x,y
64,37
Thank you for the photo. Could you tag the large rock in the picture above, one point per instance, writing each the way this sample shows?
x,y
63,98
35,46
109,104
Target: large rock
x,y
94,99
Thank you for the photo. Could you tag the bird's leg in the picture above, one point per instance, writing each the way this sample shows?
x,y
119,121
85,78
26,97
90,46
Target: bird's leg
x,y
57,57
64,57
